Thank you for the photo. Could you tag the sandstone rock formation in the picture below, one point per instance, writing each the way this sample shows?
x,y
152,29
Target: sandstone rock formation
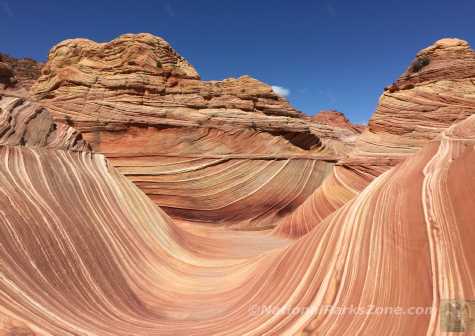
x,y
25,123
435,91
209,151
336,119
83,251
13,71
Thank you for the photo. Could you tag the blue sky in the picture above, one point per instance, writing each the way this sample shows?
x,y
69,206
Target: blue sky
x,y
328,54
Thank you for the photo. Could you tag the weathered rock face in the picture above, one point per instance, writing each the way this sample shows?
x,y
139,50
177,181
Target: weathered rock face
x,y
435,91
14,72
336,119
212,151
26,123
140,81
23,122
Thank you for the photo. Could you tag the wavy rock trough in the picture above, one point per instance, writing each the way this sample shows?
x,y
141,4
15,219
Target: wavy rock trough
x,y
85,250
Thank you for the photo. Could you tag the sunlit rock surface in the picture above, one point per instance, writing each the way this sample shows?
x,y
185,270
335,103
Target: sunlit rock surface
x,y
435,91
337,119
228,152
84,251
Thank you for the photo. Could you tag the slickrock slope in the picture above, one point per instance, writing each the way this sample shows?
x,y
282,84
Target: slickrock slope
x,y
338,188
84,252
435,91
230,152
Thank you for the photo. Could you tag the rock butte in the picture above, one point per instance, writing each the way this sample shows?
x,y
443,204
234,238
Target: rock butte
x,y
226,152
336,119
427,98
384,219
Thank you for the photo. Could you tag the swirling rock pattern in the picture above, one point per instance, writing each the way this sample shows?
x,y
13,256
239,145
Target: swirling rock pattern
x,y
226,152
340,186
236,191
84,252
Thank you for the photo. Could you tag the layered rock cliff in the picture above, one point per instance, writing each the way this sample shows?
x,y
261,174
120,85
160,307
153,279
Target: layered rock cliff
x,y
212,151
436,90
139,80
